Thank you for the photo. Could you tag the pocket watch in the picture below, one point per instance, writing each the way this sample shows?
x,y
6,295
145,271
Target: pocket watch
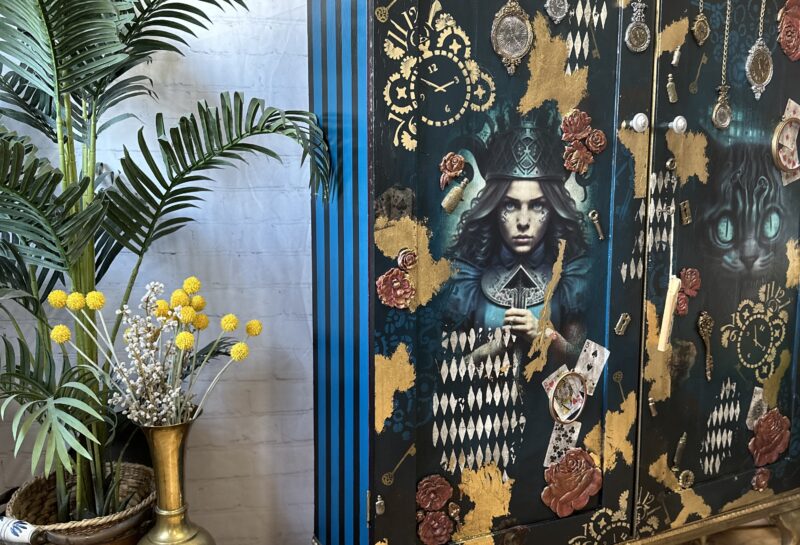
x,y
512,34
557,9
722,114
784,144
759,67
637,35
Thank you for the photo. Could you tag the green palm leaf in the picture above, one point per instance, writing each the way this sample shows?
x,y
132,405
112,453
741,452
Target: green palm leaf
x,y
60,46
47,232
149,204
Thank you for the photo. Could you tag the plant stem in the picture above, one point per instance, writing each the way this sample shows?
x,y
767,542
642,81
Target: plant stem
x,y
213,384
126,297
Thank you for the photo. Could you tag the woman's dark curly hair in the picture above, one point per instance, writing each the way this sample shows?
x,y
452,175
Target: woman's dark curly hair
x,y
478,237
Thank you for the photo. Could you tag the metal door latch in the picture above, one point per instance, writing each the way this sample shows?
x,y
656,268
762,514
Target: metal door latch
x,y
622,324
380,506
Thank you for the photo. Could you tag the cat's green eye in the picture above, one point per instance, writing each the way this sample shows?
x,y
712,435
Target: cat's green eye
x,y
725,230
771,225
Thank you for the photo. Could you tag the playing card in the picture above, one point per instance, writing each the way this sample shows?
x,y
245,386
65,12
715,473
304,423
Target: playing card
x,y
591,363
550,382
757,408
563,438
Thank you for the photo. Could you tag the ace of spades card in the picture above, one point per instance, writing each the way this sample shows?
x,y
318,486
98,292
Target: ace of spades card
x,y
591,364
563,438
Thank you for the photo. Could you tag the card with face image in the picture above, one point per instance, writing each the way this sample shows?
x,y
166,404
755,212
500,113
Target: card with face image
x,y
550,382
591,363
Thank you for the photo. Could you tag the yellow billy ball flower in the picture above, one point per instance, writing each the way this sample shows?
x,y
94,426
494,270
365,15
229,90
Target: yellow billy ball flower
x,y
254,328
187,315
57,299
76,301
162,309
179,299
191,285
198,302
200,321
61,334
95,300
229,322
239,351
184,340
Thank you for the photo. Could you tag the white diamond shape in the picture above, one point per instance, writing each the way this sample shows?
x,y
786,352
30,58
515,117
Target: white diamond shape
x,y
514,393
479,458
479,428
505,423
453,403
497,394
487,426
462,340
506,394
471,369
435,434
488,396
443,403
453,432
462,460
603,15
579,11
453,341
496,425
624,272
470,428
453,369
451,466
462,369
470,398
514,421
462,430
586,46
471,459
505,454
445,372
471,338
480,399
496,453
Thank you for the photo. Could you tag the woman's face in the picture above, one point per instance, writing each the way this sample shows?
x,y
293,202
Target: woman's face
x,y
524,216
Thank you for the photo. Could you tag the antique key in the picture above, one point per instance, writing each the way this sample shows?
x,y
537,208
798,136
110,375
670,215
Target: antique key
x,y
617,377
382,12
388,477
594,215
693,86
705,325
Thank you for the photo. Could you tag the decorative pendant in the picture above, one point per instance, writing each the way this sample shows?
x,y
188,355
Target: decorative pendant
x,y
723,113
637,35
759,67
512,35
557,9
701,29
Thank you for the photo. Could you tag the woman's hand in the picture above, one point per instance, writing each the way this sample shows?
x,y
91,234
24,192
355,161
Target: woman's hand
x,y
521,322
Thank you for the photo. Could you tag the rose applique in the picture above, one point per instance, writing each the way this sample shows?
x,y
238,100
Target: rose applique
x,y
691,282
433,493
789,30
771,438
435,529
761,479
407,259
435,526
571,483
395,289
584,142
451,167
682,306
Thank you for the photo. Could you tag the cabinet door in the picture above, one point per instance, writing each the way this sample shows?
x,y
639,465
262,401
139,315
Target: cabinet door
x,y
738,257
464,430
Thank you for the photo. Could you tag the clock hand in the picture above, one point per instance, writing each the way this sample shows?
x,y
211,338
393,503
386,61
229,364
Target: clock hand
x,y
436,88
446,85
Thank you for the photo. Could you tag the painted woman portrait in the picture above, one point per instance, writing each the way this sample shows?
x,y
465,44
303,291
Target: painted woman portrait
x,y
507,240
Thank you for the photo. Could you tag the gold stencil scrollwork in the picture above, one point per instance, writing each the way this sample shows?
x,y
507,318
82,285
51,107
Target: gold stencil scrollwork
x,y
606,526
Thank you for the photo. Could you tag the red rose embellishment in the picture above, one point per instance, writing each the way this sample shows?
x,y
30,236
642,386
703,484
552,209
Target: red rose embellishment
x,y
576,125
571,483
691,281
789,32
682,306
596,141
761,479
771,438
395,289
451,167
577,158
435,529
433,493
407,259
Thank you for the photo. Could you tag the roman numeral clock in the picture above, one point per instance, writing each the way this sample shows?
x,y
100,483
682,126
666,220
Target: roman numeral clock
x,y
555,294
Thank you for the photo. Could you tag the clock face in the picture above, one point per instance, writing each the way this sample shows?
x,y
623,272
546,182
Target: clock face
x,y
784,147
514,37
701,29
721,116
442,88
755,342
557,9
637,37
761,66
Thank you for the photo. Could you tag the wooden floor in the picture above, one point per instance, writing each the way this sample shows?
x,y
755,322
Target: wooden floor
x,y
747,536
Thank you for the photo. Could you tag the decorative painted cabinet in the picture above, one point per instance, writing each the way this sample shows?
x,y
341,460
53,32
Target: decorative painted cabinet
x,y
555,297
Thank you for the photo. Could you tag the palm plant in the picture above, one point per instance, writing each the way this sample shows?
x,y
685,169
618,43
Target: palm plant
x,y
65,67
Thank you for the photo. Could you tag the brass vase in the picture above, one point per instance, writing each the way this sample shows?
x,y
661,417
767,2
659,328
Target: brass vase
x,y
168,449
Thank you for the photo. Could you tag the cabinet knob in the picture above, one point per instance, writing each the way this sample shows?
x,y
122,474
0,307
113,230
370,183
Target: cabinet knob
x,y
679,125
380,506
639,123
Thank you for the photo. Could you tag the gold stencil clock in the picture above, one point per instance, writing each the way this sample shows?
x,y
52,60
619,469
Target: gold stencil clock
x,y
758,329
436,81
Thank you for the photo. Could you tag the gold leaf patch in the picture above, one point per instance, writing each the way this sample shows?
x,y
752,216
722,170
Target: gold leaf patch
x,y
638,144
615,443
773,384
793,272
689,150
392,375
549,80
491,496
691,502
673,35
752,496
430,274
541,344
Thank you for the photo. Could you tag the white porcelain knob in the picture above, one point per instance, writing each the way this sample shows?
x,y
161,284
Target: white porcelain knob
x,y
679,125
639,123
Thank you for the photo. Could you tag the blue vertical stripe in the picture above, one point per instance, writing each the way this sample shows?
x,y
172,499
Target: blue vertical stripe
x,y
364,269
349,303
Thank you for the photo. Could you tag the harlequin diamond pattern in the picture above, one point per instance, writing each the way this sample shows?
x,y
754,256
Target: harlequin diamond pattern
x,y
477,406
720,429
588,19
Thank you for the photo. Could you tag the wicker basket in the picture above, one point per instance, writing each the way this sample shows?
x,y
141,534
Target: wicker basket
x,y
35,502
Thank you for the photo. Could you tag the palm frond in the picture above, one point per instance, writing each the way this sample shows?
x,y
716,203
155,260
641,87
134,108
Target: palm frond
x,y
60,46
27,104
47,232
148,204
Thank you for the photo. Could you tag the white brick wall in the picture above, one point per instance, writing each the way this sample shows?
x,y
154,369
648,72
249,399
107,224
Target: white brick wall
x,y
250,474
